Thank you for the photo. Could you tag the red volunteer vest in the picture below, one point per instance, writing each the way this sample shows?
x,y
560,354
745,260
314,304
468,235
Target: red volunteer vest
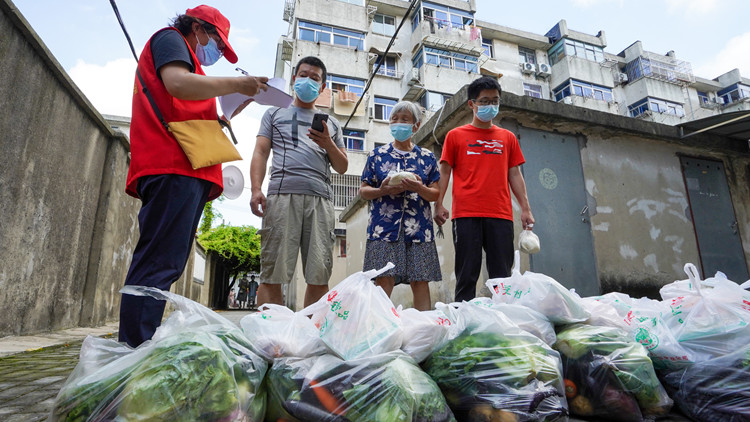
x,y
153,150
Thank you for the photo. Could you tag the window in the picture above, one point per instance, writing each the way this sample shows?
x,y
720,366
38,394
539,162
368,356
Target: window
x,y
489,48
326,34
526,55
341,83
444,58
432,101
345,188
342,246
638,108
388,68
566,47
440,16
703,99
583,89
379,144
384,24
383,107
656,105
532,90
354,140
734,93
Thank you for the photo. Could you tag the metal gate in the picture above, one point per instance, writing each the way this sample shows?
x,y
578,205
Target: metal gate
x,y
557,194
716,231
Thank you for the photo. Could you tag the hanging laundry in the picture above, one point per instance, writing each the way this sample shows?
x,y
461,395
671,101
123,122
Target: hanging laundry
x,y
346,96
324,99
476,33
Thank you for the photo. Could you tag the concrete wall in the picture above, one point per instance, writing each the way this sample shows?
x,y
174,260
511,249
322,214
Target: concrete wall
x,y
68,229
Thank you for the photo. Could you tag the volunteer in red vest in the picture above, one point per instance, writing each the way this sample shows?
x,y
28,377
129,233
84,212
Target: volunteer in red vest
x,y
172,194
485,161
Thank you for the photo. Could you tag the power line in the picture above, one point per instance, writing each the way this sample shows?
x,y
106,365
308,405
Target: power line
x,y
375,71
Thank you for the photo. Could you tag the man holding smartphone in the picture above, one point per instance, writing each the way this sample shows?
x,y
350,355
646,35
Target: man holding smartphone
x,y
298,213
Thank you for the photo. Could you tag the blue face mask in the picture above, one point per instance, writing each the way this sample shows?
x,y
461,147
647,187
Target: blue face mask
x,y
307,90
401,131
208,54
486,113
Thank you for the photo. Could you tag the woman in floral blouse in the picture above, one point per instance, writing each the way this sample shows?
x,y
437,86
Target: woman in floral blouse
x,y
400,228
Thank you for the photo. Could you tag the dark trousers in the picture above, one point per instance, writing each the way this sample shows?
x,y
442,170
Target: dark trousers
x,y
470,236
170,212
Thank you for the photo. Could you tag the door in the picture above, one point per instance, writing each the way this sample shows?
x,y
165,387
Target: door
x,y
557,194
719,243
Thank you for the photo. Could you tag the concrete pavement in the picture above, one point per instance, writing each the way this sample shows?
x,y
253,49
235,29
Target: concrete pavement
x,y
34,368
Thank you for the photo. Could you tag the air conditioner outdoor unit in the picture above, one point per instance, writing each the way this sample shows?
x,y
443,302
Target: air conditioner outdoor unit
x,y
414,76
719,100
527,68
544,70
622,78
567,100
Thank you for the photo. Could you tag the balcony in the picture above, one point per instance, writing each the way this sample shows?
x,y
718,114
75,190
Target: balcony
x,y
663,68
439,34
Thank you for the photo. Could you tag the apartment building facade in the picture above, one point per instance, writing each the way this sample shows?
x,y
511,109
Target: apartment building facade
x,y
442,45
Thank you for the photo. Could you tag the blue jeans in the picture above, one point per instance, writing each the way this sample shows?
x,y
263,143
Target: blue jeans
x,y
170,212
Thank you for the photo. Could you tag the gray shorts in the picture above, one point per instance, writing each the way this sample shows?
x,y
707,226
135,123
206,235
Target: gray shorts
x,y
297,223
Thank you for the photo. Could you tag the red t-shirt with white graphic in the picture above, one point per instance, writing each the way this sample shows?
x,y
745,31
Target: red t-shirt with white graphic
x,y
480,159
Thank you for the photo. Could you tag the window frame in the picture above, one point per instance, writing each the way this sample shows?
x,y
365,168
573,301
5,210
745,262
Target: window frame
x,y
567,47
531,89
583,89
444,16
445,58
354,136
383,106
426,100
331,35
349,84
383,24
527,55
489,47
385,70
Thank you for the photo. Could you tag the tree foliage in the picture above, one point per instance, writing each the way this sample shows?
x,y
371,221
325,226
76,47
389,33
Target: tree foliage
x,y
238,247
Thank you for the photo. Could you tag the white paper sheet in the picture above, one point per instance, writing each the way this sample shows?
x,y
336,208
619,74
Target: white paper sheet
x,y
275,95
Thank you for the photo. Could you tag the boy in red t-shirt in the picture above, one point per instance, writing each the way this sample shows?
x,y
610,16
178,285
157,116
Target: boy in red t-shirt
x,y
484,160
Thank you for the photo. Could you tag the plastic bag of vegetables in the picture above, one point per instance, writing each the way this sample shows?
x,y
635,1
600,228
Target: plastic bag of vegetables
x,y
539,292
424,331
643,320
711,318
387,387
609,375
356,318
494,371
198,366
717,390
277,331
526,318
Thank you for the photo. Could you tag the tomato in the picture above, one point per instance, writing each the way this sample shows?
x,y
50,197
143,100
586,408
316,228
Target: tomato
x,y
570,388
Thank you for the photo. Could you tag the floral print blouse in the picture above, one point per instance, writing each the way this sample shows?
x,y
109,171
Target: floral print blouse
x,y
389,212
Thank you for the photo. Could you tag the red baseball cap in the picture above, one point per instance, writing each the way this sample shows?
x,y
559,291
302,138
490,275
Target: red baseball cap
x,y
214,17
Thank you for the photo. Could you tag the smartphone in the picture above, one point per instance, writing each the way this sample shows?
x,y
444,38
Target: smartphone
x,y
318,121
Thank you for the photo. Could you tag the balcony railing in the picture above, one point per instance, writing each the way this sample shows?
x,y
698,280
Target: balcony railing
x,y
345,188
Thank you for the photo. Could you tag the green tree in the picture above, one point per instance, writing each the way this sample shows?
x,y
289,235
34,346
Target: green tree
x,y
209,216
237,247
